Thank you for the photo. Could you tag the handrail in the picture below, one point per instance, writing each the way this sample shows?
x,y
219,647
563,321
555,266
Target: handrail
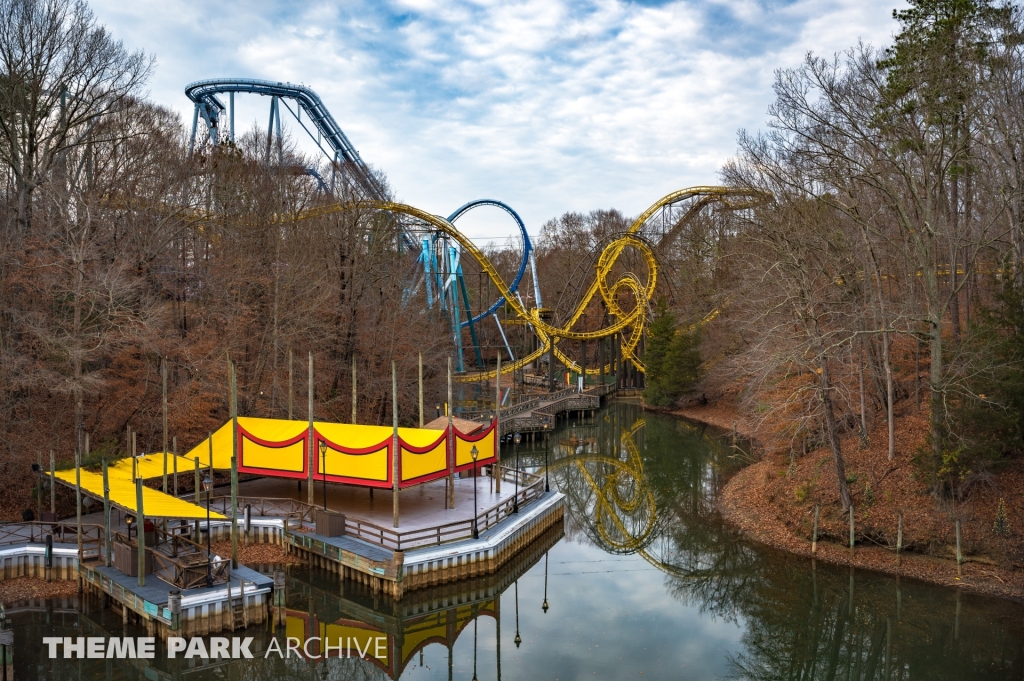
x,y
185,570
30,532
455,531
530,488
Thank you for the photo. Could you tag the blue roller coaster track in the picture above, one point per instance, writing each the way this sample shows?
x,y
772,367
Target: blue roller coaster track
x,y
439,255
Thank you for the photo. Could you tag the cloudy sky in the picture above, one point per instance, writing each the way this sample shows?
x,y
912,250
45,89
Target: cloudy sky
x,y
548,105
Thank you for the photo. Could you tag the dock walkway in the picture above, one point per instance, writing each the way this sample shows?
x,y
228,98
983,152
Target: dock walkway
x,y
541,412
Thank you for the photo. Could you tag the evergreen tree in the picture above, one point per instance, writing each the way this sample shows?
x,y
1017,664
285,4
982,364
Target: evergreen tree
x,y
672,359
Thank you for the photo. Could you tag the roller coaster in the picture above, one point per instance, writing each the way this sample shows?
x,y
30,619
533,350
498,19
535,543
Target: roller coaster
x,y
440,247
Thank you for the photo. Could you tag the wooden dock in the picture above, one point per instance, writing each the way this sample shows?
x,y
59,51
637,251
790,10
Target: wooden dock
x,y
541,412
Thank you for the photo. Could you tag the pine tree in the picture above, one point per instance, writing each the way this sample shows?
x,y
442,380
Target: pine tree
x,y
672,359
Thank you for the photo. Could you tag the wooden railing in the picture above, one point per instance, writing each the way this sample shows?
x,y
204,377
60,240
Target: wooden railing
x,y
63,532
530,487
182,562
294,512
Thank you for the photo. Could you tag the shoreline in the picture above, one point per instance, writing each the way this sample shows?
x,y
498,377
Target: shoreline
x,y
738,506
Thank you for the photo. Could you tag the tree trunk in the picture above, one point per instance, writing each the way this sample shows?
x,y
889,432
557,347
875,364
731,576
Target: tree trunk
x,y
935,384
832,431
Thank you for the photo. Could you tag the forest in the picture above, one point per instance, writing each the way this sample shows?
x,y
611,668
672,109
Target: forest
x,y
869,296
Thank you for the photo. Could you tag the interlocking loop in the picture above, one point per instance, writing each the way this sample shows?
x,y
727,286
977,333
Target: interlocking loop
x,y
630,323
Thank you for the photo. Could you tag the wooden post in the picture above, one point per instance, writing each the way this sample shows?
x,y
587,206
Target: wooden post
x,y
420,363
174,451
53,487
851,530
196,488
291,380
355,395
899,542
78,500
163,376
234,467
312,445
395,450
234,512
814,537
959,554
106,516
140,519
39,485
135,450
452,442
496,468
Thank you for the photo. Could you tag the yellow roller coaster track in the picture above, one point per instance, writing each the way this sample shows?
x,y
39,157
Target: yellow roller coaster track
x,y
628,322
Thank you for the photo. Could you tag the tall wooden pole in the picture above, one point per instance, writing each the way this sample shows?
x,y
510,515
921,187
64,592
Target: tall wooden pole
x,y
53,488
140,536
234,512
312,444
496,468
452,444
174,452
78,496
106,516
163,375
355,395
396,453
234,467
421,387
39,485
196,488
291,381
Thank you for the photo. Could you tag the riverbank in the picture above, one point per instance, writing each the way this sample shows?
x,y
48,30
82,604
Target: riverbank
x,y
772,502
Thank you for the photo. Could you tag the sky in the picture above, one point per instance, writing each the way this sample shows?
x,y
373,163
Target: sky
x,y
548,105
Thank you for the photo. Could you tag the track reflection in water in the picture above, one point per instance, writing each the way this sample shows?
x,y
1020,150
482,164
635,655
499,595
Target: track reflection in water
x,y
646,579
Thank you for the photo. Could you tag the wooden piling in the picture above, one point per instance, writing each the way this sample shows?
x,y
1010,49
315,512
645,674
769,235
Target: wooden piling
x,y
814,535
851,530
959,553
899,541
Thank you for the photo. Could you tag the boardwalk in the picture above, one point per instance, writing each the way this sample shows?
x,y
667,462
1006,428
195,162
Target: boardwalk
x,y
540,413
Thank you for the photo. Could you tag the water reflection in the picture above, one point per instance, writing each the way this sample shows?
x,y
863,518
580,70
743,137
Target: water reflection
x,y
646,579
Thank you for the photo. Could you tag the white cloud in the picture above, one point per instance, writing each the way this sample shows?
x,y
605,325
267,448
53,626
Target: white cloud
x,y
550,105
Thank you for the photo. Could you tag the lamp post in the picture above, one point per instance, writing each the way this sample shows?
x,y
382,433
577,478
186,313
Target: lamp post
x,y
208,488
518,639
323,469
475,620
515,500
129,520
437,410
544,605
474,453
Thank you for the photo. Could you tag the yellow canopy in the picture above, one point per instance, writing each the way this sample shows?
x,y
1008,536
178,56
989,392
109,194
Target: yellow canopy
x,y
349,435
155,504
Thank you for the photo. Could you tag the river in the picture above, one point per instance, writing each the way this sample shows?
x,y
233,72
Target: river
x,y
646,582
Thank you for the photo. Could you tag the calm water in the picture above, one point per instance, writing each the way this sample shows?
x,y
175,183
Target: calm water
x,y
644,583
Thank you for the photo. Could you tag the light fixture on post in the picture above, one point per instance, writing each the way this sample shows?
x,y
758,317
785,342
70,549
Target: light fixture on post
x,y
544,605
437,410
518,639
474,453
547,487
129,520
515,500
323,469
208,488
